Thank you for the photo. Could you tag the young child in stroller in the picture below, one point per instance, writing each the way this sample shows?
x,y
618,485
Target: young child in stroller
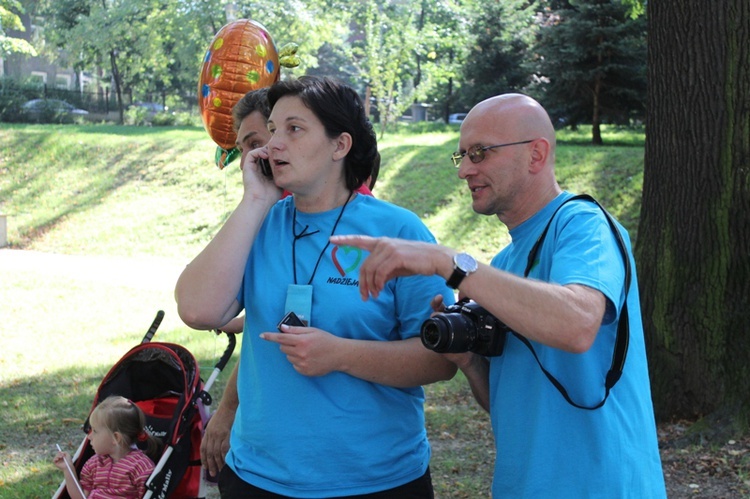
x,y
119,468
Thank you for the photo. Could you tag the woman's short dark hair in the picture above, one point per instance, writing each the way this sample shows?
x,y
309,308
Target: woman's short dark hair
x,y
341,110
255,100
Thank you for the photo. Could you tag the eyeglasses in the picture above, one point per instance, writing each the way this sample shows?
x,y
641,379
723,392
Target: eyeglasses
x,y
476,153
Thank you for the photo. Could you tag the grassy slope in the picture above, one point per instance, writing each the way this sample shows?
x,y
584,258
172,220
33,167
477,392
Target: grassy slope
x,y
155,195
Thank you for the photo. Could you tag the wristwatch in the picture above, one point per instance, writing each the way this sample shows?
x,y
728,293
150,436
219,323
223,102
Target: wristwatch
x,y
463,265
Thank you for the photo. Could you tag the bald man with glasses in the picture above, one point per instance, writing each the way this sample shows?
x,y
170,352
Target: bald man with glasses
x,y
569,396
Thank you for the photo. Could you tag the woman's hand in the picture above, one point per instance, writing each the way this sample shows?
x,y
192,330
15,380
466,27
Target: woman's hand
x,y
312,351
256,184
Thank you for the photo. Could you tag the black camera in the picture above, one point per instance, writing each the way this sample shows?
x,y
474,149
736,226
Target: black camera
x,y
465,327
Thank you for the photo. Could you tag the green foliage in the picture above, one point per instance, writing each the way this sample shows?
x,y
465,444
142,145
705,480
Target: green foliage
x,y
9,19
446,54
592,63
186,119
384,54
12,97
164,119
132,51
495,63
136,115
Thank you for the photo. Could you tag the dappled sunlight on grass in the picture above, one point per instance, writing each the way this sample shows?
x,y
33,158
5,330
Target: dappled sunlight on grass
x,y
94,190
417,173
135,204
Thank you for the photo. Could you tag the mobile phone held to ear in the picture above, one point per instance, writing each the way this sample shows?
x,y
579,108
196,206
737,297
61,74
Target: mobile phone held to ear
x,y
290,319
265,168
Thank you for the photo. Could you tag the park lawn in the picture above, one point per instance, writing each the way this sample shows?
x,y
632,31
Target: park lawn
x,y
146,200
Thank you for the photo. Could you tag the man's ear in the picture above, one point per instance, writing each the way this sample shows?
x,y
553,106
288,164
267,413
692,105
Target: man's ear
x,y
539,155
343,146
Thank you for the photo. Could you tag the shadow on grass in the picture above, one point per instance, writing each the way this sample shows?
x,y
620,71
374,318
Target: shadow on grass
x,y
64,185
422,179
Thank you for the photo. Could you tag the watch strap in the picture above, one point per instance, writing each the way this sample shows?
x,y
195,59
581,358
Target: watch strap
x,y
456,277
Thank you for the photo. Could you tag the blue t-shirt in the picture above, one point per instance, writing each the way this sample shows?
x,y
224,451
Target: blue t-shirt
x,y
545,446
332,435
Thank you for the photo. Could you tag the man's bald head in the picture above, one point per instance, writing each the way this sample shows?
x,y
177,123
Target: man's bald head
x,y
517,114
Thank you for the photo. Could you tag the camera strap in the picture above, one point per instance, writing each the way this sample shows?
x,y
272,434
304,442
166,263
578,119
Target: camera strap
x,y
623,327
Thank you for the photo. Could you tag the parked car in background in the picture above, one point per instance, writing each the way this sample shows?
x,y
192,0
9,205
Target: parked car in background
x,y
51,111
456,118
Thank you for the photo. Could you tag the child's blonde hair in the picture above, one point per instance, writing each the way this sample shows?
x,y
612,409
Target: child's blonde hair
x,y
120,415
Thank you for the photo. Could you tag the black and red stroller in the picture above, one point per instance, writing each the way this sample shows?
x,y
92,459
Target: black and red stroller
x,y
163,379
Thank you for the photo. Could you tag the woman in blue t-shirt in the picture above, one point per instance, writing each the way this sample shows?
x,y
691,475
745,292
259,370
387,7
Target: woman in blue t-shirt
x,y
333,408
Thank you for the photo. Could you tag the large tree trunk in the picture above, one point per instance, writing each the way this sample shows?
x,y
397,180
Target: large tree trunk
x,y
693,245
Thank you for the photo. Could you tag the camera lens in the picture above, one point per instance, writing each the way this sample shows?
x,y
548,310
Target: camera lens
x,y
431,335
448,333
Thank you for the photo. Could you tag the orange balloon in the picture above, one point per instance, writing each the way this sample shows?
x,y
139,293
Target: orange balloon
x,y
242,57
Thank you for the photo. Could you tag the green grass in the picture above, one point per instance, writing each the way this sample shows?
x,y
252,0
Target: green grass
x,y
154,196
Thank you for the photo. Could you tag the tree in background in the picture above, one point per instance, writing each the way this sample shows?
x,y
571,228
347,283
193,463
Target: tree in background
x,y
444,53
409,52
185,31
9,19
591,65
384,42
115,34
502,33
444,37
312,25
693,248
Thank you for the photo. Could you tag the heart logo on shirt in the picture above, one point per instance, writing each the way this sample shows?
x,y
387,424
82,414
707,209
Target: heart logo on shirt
x,y
347,259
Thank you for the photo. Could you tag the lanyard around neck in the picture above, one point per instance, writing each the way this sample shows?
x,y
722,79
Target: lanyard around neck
x,y
304,233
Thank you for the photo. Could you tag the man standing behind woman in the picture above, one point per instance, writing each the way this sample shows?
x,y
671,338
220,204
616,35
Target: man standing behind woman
x,y
333,408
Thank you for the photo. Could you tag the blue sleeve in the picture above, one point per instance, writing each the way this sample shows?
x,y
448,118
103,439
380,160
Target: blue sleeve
x,y
586,252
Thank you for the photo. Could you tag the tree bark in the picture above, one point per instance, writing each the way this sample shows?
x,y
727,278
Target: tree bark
x,y
596,121
118,86
693,245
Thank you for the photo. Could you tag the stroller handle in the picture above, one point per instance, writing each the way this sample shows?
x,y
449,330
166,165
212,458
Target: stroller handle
x,y
154,326
221,364
232,342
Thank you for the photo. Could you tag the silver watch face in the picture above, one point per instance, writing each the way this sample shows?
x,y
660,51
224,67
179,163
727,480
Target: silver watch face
x,y
465,262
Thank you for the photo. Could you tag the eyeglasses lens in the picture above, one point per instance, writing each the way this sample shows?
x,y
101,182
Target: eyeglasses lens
x,y
476,154
457,157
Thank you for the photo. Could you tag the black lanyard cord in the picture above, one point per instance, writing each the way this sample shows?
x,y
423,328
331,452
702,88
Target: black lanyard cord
x,y
304,233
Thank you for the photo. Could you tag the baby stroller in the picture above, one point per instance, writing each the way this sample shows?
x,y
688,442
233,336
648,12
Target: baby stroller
x,y
163,379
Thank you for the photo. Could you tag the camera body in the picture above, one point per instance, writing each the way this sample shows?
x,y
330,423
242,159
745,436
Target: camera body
x,y
465,327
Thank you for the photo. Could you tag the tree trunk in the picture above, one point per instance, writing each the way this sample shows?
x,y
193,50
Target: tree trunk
x,y
596,120
693,245
116,78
